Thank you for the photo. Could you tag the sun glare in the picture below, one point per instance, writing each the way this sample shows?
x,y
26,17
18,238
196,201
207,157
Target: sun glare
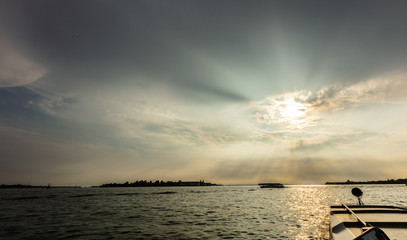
x,y
292,112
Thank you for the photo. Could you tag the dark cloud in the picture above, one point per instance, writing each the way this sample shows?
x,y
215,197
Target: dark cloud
x,y
16,108
101,41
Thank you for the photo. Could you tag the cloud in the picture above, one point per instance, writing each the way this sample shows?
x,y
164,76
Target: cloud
x,y
303,108
15,68
136,122
15,132
209,92
330,141
337,98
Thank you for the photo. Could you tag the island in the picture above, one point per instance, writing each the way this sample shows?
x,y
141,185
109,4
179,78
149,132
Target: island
x,y
157,183
388,181
32,186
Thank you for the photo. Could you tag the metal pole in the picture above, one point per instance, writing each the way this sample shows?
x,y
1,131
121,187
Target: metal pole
x,y
356,216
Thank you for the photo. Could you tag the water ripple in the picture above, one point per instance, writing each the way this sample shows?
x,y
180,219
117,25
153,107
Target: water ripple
x,y
238,212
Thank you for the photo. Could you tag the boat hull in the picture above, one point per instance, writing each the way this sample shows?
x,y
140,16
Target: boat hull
x,y
354,222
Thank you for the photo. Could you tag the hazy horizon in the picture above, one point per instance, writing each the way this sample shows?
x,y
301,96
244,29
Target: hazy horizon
x,y
233,92
340,182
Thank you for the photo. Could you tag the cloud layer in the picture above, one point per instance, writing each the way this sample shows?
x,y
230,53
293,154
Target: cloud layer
x,y
227,91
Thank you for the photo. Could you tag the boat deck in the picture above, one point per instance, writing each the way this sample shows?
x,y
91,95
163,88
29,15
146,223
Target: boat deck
x,y
348,225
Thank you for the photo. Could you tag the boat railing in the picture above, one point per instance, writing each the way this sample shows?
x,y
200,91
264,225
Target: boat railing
x,y
355,215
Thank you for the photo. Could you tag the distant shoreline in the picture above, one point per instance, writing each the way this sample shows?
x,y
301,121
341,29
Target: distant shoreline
x,y
388,181
157,183
141,183
144,183
31,186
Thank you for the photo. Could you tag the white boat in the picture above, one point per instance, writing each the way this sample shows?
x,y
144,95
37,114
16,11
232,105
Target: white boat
x,y
368,222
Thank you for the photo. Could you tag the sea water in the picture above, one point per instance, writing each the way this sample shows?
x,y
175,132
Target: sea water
x,y
216,212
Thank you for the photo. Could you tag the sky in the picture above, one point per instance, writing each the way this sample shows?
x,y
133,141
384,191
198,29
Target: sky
x,y
231,92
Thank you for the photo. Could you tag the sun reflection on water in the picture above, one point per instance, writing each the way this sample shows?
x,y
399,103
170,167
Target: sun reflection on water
x,y
309,204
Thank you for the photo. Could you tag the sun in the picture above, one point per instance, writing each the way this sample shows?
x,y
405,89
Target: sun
x,y
290,110
294,113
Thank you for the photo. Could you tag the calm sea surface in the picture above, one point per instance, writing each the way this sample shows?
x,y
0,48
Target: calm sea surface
x,y
224,212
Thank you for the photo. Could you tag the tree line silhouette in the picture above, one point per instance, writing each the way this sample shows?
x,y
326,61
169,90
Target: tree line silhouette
x,y
388,181
31,186
157,183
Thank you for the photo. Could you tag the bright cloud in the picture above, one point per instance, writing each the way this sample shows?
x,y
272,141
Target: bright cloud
x,y
285,110
337,98
302,109
15,68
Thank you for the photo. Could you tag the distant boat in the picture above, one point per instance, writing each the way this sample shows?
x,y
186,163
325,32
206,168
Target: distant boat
x,y
365,222
271,185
